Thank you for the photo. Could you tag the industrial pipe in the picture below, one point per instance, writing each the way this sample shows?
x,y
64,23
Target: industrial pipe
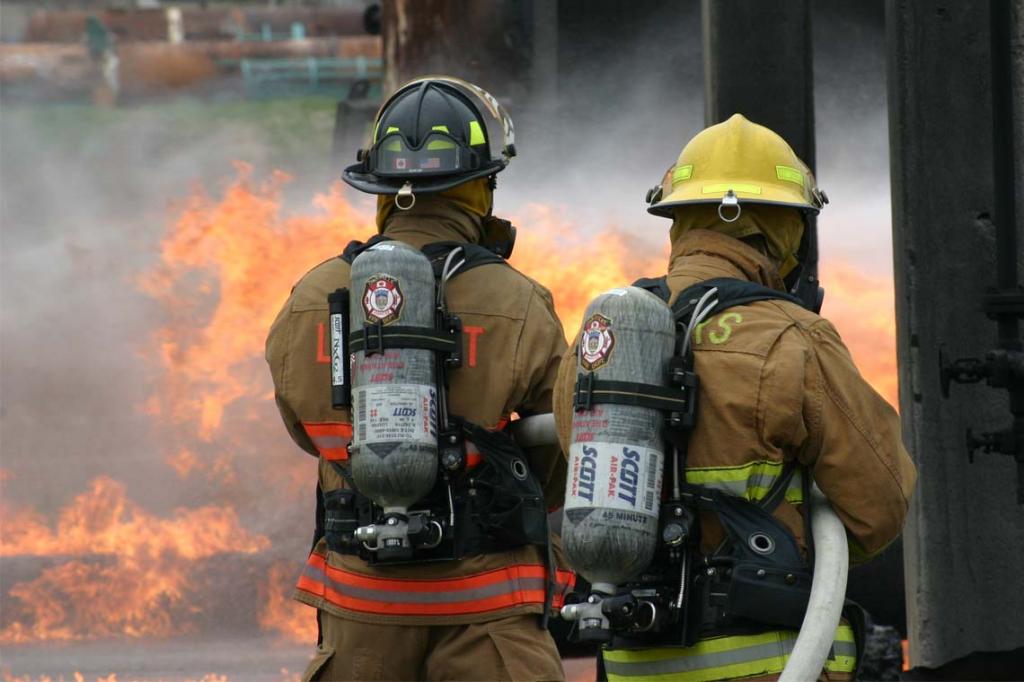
x,y
831,566
828,592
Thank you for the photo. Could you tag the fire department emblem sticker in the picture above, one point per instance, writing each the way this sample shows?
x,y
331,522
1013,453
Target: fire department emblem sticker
x,y
597,342
382,299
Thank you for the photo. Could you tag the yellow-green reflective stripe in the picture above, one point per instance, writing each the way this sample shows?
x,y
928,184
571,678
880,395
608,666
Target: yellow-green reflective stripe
x,y
789,175
391,129
682,173
844,633
376,129
751,480
443,129
440,144
722,657
393,146
734,186
476,133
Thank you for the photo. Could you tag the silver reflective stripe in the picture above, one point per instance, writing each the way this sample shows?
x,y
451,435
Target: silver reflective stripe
x,y
843,649
330,442
686,664
439,597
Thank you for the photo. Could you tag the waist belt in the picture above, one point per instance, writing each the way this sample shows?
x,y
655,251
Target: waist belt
x,y
719,658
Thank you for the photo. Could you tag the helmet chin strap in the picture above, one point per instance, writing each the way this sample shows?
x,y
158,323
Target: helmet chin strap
x,y
803,281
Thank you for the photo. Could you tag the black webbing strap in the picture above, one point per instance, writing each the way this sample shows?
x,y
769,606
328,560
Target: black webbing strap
x,y
777,493
473,255
354,248
593,391
656,285
731,292
377,338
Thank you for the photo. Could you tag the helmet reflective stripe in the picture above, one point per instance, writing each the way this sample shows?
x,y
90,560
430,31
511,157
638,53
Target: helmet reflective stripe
x,y
492,105
789,175
476,133
682,173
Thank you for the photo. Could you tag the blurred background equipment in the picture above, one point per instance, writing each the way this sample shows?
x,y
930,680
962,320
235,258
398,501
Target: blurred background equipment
x,y
208,49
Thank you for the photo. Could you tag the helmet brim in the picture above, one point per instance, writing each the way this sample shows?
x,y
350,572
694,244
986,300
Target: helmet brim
x,y
665,209
371,183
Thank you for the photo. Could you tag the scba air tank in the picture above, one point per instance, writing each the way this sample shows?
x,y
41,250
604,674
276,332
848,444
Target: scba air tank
x,y
393,454
616,456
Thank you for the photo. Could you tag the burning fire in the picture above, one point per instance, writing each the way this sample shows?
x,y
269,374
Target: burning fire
x,y
226,265
119,570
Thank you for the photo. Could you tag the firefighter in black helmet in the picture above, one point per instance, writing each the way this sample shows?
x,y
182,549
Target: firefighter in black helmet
x,y
436,146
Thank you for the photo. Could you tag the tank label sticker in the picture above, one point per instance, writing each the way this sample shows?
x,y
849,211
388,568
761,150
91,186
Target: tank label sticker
x,y
614,476
596,343
404,413
382,299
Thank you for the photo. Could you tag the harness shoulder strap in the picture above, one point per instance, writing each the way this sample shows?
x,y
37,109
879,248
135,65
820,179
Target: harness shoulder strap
x,y
730,293
656,285
354,247
473,256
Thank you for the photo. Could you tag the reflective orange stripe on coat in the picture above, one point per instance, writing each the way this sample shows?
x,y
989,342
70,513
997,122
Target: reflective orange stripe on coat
x,y
331,439
510,586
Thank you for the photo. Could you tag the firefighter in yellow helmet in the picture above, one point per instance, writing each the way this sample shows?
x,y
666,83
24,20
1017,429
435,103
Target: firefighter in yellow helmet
x,y
465,592
781,405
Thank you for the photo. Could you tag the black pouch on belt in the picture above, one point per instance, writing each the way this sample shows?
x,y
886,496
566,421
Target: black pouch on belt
x,y
341,518
768,581
507,507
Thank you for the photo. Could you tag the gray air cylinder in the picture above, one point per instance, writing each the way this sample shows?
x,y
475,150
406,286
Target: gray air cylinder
x,y
393,454
616,456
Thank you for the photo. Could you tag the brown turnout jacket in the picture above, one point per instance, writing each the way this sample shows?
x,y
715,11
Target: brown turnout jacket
x,y
513,343
777,383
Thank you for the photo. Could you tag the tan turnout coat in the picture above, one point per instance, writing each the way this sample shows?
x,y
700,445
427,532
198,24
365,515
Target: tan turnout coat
x,y
513,343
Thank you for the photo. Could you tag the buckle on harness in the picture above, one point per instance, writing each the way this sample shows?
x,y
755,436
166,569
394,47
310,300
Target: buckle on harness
x,y
685,379
373,339
583,398
452,325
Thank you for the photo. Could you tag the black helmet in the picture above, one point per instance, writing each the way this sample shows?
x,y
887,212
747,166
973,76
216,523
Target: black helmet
x,y
430,136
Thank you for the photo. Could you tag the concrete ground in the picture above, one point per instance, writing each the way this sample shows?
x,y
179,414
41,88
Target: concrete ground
x,y
178,660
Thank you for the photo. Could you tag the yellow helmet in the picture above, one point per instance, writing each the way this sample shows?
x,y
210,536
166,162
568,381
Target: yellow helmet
x,y
734,162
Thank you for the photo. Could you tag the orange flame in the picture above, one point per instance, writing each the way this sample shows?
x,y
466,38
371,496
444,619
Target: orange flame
x,y
248,257
278,612
131,572
862,307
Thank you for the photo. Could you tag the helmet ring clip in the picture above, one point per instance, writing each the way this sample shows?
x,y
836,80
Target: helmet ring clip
x,y
406,191
730,200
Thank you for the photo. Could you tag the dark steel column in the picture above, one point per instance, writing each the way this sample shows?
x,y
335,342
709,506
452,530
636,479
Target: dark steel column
x,y
487,43
964,542
758,61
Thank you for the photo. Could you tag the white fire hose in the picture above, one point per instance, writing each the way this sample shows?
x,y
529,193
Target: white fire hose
x,y
831,565
828,592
